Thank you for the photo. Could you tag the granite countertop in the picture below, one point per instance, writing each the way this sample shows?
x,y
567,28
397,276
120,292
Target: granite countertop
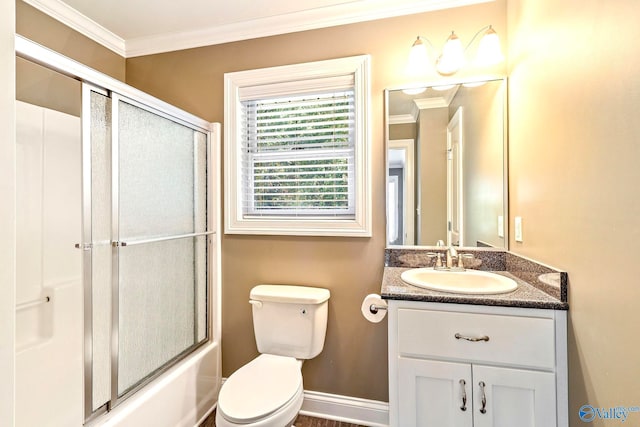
x,y
539,286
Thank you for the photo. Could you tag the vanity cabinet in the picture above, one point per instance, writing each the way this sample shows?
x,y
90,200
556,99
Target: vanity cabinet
x,y
453,365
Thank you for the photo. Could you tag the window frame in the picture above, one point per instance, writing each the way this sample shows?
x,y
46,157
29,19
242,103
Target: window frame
x,y
297,78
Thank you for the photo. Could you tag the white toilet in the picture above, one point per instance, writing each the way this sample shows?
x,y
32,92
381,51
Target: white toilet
x,y
289,323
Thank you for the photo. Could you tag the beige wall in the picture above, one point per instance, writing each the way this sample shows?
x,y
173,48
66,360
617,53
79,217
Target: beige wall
x,y
432,170
574,172
354,361
36,26
41,86
483,152
402,131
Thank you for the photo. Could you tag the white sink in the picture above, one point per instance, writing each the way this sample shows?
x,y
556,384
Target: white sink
x,y
459,282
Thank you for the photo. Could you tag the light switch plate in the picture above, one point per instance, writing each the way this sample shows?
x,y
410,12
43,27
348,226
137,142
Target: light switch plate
x,y
518,229
500,226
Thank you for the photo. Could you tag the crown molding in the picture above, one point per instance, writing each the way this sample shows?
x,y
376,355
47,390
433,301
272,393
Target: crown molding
x,y
346,13
72,18
342,14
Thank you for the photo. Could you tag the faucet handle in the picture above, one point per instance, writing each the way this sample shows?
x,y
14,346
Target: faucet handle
x,y
437,256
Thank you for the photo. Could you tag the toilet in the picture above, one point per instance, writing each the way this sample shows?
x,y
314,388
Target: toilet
x,y
289,323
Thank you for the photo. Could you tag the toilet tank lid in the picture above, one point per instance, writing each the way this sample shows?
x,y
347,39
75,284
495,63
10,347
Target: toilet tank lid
x,y
290,294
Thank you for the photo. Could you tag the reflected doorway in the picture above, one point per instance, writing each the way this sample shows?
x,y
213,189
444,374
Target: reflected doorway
x,y
402,213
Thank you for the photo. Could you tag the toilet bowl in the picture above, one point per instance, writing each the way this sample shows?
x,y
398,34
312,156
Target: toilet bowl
x,y
266,392
289,324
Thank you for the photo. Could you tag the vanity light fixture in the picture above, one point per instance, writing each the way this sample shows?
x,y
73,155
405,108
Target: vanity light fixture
x,y
452,57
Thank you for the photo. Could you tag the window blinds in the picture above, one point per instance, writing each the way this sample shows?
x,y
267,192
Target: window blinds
x,y
298,154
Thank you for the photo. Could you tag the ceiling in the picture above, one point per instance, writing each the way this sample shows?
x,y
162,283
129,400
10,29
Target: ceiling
x,y
141,27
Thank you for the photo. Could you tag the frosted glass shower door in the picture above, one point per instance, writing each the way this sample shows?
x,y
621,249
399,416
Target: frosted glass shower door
x,y
98,253
146,244
160,241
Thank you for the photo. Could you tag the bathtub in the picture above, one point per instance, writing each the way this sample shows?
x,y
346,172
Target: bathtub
x,y
183,397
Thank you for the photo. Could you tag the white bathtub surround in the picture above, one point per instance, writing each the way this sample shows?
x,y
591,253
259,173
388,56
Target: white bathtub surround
x,y
49,370
48,270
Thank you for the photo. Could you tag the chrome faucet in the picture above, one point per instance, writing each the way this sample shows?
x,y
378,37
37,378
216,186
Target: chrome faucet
x,y
451,253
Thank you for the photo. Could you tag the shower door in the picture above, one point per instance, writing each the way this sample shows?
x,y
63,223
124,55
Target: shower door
x,y
146,244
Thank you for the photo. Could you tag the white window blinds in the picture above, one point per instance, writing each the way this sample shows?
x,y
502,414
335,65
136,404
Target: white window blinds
x,y
296,149
298,154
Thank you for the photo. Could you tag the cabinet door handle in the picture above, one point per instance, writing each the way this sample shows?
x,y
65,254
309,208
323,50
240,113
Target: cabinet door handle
x,y
483,398
472,339
464,395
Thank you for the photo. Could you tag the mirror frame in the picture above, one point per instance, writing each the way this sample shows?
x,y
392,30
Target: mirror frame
x,y
505,156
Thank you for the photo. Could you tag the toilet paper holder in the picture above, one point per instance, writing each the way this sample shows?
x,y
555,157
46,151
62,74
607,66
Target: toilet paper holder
x,y
373,308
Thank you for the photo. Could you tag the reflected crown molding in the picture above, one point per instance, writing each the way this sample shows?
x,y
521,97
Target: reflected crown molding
x,y
402,119
438,101
420,104
427,103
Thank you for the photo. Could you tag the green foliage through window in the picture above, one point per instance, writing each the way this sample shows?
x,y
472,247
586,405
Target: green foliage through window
x,y
299,154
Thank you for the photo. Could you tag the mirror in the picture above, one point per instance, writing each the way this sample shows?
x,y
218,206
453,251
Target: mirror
x,y
446,165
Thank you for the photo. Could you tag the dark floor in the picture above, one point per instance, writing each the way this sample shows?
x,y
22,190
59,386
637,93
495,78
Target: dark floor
x,y
304,421
301,421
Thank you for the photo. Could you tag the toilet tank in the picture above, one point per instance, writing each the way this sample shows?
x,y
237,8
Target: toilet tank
x,y
290,320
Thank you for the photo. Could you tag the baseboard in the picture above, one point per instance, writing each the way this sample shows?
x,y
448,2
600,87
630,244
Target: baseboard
x,y
354,410
348,409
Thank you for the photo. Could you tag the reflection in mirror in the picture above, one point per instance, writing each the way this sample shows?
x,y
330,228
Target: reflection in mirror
x,y
446,165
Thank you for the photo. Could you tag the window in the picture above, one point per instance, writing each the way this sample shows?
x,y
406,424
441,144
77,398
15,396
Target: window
x,y
296,149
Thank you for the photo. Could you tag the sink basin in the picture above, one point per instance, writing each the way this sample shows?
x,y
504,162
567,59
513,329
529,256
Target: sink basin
x,y
459,282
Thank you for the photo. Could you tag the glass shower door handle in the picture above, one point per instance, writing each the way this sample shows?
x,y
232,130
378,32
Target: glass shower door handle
x,y
161,239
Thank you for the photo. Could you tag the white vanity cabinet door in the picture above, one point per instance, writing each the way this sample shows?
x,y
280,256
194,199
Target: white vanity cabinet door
x,y
514,397
448,394
434,393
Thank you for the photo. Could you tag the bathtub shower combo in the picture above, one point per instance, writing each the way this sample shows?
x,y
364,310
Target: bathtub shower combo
x,y
117,255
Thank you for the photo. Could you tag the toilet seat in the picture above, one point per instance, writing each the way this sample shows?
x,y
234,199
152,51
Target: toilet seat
x,y
260,388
